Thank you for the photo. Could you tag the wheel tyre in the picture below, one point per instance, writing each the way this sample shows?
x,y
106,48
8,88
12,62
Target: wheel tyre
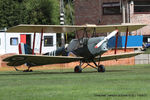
x,y
28,70
101,68
31,70
77,69
25,70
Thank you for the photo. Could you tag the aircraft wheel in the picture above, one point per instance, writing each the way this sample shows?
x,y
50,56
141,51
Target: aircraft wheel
x,y
25,70
77,69
30,70
101,68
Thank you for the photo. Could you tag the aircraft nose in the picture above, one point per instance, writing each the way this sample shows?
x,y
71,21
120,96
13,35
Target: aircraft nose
x,y
104,47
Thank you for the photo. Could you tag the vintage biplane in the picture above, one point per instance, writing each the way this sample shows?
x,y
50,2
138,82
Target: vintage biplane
x,y
84,49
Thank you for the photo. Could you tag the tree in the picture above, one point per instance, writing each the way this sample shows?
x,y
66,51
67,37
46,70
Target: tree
x,y
10,13
69,12
14,12
43,11
69,17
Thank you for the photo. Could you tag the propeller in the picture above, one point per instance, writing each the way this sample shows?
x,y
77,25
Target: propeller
x,y
106,38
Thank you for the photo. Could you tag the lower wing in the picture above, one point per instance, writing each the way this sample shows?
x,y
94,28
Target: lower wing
x,y
37,60
117,56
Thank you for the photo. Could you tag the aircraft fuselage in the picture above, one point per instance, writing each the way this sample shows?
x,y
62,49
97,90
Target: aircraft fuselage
x,y
82,48
86,47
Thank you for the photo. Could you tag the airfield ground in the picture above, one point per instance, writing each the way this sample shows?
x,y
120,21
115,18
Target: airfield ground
x,y
117,83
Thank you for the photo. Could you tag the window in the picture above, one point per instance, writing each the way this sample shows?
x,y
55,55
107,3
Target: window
x,y
142,6
14,41
48,41
111,8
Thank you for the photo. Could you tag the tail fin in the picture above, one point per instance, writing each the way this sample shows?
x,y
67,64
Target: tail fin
x,y
24,49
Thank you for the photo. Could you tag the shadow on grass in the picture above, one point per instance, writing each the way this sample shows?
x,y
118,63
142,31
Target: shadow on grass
x,y
50,73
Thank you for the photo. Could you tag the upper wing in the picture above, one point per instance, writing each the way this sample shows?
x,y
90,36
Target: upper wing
x,y
37,60
118,56
72,28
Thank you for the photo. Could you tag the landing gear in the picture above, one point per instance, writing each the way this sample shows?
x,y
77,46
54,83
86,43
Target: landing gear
x,y
98,67
78,69
16,68
101,68
28,70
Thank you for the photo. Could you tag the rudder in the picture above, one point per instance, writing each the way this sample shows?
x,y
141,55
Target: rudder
x,y
24,49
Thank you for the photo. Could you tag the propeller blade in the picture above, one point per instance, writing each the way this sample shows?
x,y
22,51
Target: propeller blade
x,y
107,38
112,34
100,43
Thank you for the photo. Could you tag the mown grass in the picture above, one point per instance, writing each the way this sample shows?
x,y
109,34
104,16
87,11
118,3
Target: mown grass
x,y
147,51
117,83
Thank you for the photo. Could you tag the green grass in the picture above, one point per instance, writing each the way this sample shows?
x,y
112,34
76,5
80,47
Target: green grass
x,y
147,51
117,83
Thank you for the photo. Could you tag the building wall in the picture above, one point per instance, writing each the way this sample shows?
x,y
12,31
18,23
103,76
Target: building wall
x,y
44,49
5,46
140,18
2,43
87,12
110,19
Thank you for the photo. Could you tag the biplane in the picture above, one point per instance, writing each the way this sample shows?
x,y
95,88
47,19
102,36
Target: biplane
x,y
83,49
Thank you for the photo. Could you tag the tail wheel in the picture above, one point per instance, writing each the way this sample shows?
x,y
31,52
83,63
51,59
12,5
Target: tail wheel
x,y
101,68
77,69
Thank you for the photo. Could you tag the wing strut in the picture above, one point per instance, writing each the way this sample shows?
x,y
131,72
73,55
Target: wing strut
x,y
94,32
116,42
126,40
41,40
33,43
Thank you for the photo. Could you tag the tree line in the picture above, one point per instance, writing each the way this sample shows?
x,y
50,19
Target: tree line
x,y
15,12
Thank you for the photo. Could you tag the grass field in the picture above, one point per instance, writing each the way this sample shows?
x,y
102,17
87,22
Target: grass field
x,y
117,83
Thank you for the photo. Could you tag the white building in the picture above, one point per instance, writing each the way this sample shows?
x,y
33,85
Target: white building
x,y
9,42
